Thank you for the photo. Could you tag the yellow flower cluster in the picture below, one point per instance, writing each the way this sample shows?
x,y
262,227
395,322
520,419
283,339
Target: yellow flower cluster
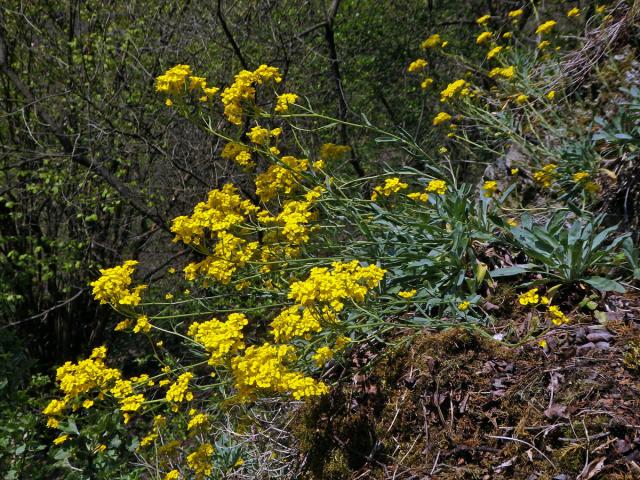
x,y
113,285
142,325
242,93
432,42
238,153
417,65
173,82
294,220
483,38
483,20
504,72
557,317
494,51
441,118
333,287
77,379
200,461
438,187
229,254
546,27
197,421
220,338
515,13
322,356
391,186
532,297
284,100
529,297
546,175
222,210
426,83
265,367
580,176
489,188
280,178
179,391
331,151
261,136
458,88
408,294
296,321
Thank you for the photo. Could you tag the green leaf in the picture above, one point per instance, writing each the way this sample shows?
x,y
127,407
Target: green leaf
x,y
605,284
511,271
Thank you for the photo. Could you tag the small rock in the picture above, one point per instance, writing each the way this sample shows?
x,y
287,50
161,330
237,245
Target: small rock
x,y
602,336
602,345
585,347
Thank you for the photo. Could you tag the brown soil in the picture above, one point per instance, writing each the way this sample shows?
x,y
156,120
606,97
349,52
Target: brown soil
x,y
459,405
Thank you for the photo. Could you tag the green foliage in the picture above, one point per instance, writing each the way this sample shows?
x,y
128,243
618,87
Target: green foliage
x,y
567,249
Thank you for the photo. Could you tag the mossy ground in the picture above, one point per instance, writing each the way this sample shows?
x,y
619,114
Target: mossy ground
x,y
457,404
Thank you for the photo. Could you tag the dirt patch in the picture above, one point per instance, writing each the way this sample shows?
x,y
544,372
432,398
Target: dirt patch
x,y
458,405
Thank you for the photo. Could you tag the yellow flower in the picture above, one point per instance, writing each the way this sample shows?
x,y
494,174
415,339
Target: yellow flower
x,y
504,72
419,197
551,95
600,9
522,98
455,88
546,27
543,343
437,186
407,294
557,317
197,421
113,285
574,12
464,306
179,391
546,176
172,475
443,150
61,439
490,187
391,186
123,325
142,325
284,100
515,13
426,83
173,80
483,19
483,38
342,342
168,102
441,118
242,91
220,338
512,222
200,460
417,65
515,171
507,35
322,356
544,44
580,176
493,52
529,297
431,42
87,404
